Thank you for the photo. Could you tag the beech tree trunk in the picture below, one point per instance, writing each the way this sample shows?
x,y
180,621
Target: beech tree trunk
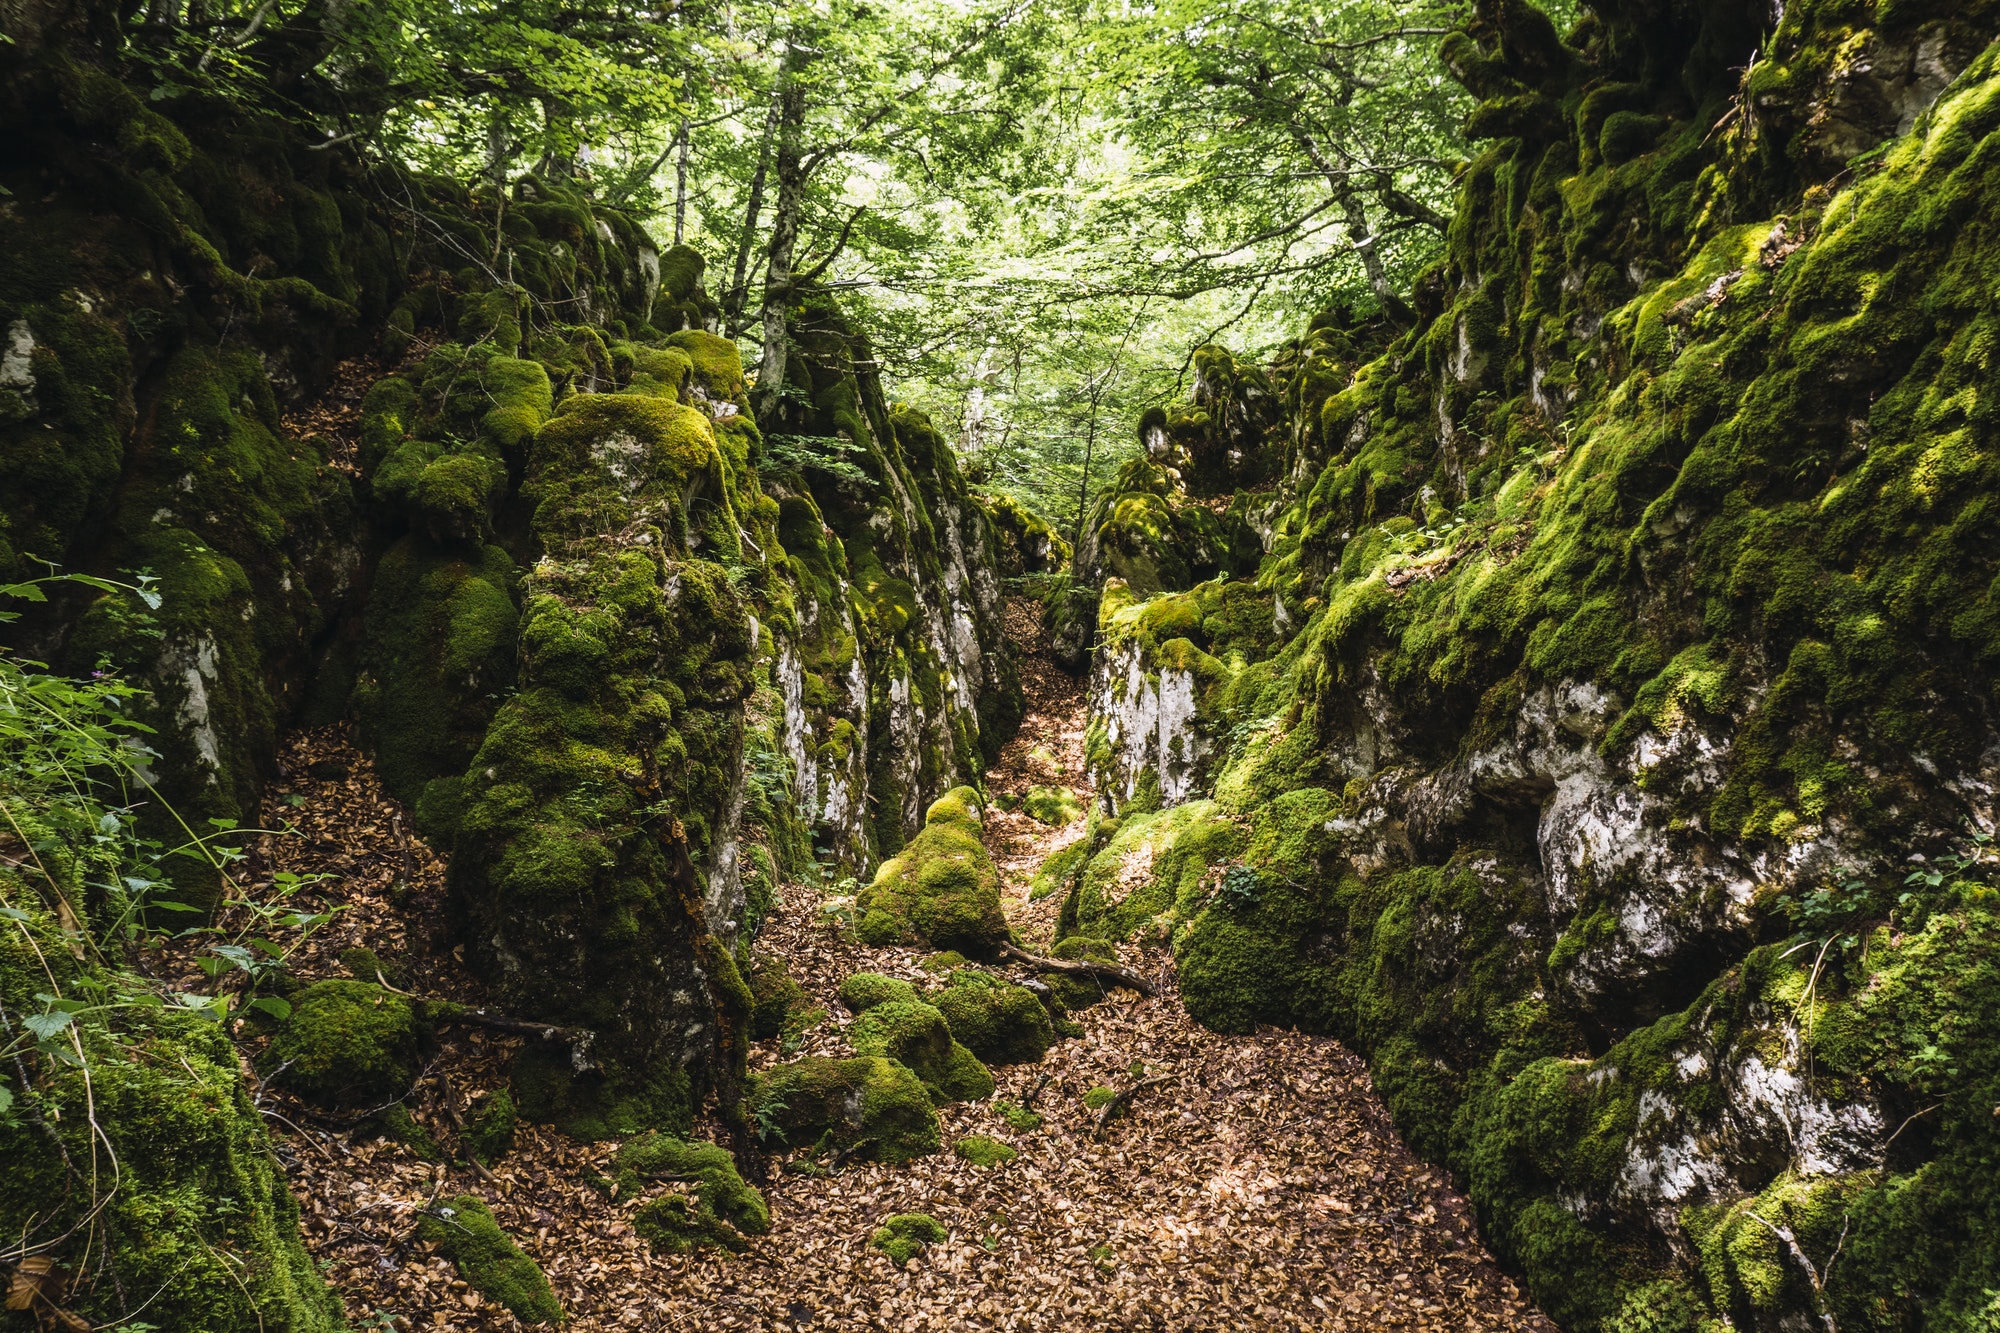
x,y
791,171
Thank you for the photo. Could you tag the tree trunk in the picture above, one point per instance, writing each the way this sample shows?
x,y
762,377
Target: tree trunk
x,y
681,184
791,165
739,278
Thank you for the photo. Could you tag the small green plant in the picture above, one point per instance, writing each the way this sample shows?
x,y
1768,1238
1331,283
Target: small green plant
x,y
1242,889
1018,1117
981,1150
905,1236
1099,1097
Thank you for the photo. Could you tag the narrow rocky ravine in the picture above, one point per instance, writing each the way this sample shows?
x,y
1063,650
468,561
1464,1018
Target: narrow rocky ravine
x,y
1260,1182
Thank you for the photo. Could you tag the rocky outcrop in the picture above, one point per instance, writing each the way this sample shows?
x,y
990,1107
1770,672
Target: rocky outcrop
x,y
629,656
1623,739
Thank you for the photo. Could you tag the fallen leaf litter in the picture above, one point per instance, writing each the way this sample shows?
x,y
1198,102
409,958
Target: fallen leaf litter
x,y
1260,1186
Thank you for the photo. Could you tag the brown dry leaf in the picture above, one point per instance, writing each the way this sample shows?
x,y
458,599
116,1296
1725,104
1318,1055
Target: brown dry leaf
x,y
1264,1185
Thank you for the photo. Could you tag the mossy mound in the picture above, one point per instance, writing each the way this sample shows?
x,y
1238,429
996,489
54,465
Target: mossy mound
x,y
464,1231
490,1127
915,1034
348,1043
1019,1118
1055,806
776,994
722,1210
981,1150
942,890
943,962
364,964
905,1236
871,1105
1099,1097
1074,992
864,990
1001,1023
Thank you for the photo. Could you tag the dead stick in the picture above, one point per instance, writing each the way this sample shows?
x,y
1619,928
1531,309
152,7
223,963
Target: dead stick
x,y
1079,967
1118,1103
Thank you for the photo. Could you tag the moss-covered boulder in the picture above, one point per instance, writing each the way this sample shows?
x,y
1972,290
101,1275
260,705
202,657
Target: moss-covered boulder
x,y
915,1034
348,1043
490,1126
906,1235
775,993
864,990
721,1210
1078,992
942,890
984,1150
1001,1023
464,1231
870,1105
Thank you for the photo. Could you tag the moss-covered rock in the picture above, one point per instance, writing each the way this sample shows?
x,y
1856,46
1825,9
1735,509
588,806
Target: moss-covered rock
x,y
348,1043
942,890
722,1211
906,1235
915,1034
776,994
1077,992
464,1232
982,1150
870,1105
864,990
489,1127
1001,1023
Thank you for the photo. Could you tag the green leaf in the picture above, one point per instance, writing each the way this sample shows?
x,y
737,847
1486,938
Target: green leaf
x,y
272,1005
46,1026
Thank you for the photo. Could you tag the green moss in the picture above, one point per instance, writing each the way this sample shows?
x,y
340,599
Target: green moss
x,y
1052,805
464,1231
722,1211
943,962
871,1105
941,890
1001,1023
865,990
1018,1117
364,964
1075,992
348,1043
906,1235
980,1150
489,1127
777,995
1099,1097
915,1035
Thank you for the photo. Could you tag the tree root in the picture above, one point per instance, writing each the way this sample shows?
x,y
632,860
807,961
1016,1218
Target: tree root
x,y
1082,968
1123,1099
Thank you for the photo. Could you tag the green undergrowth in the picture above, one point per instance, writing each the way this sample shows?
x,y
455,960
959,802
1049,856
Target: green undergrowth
x,y
131,1141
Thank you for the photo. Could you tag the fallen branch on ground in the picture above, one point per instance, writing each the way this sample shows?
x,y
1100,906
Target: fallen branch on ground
x,y
1080,967
1123,1099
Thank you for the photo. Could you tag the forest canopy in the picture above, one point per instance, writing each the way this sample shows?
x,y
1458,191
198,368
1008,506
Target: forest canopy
x,y
1037,208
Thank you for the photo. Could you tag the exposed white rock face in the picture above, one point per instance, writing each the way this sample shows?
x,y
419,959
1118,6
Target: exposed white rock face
x,y
1149,720
1772,1118
192,666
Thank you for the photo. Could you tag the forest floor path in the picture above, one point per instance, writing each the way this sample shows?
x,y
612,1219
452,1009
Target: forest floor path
x,y
1260,1186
